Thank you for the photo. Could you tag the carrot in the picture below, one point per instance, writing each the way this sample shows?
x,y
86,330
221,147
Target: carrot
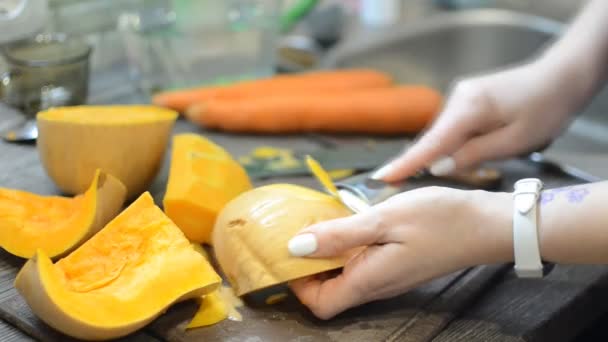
x,y
390,110
329,81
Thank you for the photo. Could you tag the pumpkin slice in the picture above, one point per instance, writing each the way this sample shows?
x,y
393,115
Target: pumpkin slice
x,y
120,279
127,141
57,224
203,178
251,235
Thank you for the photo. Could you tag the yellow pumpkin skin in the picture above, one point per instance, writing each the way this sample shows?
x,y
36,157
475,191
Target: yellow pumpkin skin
x,y
251,235
57,225
128,142
120,279
203,178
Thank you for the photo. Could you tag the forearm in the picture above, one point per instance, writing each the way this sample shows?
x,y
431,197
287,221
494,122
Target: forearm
x,y
574,224
577,64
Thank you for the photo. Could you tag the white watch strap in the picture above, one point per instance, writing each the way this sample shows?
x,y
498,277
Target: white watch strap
x,y
528,263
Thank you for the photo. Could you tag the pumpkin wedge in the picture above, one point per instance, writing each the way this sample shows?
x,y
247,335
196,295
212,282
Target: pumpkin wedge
x,y
128,142
203,178
120,279
251,235
55,224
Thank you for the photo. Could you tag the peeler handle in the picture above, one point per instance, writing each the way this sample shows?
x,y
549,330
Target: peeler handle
x,y
482,178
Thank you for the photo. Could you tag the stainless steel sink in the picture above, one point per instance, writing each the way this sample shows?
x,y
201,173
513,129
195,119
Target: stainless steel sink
x,y
445,47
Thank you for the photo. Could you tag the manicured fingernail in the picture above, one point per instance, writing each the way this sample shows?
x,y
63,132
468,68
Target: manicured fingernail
x,y
382,172
302,245
443,166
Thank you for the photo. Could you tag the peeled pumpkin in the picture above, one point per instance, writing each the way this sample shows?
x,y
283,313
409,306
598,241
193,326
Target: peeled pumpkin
x,y
55,224
120,279
251,234
203,178
127,141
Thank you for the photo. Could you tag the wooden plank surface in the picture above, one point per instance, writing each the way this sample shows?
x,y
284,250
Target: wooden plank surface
x,y
9,333
290,321
556,308
429,322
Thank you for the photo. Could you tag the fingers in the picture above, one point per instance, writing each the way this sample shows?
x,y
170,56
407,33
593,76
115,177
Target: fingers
x,y
461,117
365,278
325,298
331,238
432,146
487,147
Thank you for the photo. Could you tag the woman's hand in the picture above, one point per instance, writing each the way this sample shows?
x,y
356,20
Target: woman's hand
x,y
411,238
488,118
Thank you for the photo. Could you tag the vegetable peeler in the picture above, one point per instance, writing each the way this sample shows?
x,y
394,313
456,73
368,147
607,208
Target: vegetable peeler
x,y
361,196
354,197
360,192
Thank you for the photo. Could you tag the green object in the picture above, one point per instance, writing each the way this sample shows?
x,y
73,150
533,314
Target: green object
x,y
297,12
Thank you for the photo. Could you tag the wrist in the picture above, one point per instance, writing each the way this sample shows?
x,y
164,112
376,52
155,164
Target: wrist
x,y
551,228
494,232
550,223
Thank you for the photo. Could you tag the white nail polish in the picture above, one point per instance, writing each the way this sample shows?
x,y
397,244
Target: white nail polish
x,y
302,245
443,166
382,172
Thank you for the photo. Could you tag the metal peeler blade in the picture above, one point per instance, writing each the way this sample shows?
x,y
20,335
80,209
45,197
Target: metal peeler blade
x,y
352,200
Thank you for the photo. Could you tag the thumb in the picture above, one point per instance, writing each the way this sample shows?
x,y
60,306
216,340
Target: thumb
x,y
335,237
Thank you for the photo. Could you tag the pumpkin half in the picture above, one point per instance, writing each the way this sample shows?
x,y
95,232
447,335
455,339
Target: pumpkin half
x,y
128,142
251,235
203,178
120,279
57,224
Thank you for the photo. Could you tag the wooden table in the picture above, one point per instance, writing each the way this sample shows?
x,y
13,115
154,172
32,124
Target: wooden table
x,y
484,303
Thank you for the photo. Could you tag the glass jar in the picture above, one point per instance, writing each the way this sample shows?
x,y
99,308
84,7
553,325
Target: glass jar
x,y
43,72
186,43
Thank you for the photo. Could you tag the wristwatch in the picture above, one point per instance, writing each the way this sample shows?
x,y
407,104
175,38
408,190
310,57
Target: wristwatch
x,y
528,261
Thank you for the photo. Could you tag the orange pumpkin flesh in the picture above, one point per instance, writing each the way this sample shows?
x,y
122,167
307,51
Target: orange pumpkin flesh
x,y
120,280
57,224
203,178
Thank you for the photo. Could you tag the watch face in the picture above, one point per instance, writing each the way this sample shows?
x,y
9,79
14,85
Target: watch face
x,y
11,8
